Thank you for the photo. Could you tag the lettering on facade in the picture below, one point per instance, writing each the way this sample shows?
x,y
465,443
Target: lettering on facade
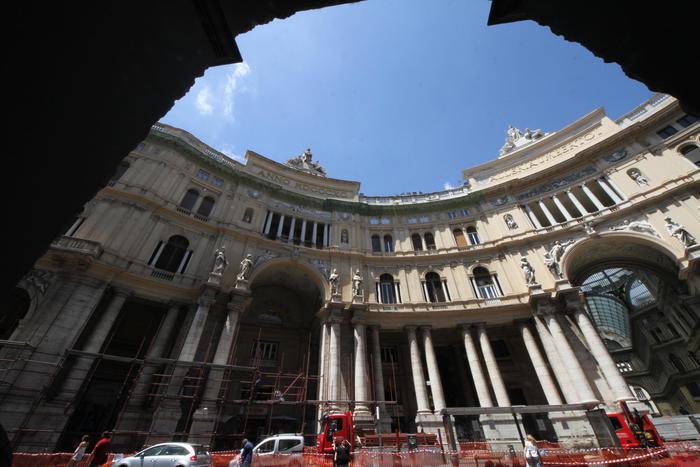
x,y
558,152
305,187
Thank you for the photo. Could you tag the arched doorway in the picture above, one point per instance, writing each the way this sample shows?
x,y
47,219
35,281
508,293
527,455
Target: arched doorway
x,y
644,313
278,339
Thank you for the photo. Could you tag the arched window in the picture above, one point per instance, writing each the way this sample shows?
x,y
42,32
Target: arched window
x,y
473,235
344,237
121,169
388,244
692,153
205,206
248,215
484,284
189,199
459,237
387,289
173,254
417,242
429,241
677,362
434,288
376,244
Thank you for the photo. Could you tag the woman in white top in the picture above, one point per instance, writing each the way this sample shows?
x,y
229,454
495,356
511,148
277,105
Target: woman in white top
x,y
532,455
79,452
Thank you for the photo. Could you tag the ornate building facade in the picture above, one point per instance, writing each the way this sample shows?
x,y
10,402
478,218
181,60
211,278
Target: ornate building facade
x,y
205,299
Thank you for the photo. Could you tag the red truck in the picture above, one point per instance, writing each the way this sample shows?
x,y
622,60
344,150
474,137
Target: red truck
x,y
340,425
634,430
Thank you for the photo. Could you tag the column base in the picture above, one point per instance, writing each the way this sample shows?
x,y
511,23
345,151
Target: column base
x,y
430,423
165,420
573,429
501,432
203,425
362,418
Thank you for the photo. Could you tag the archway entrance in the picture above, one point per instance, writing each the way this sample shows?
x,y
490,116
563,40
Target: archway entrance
x,y
278,337
645,316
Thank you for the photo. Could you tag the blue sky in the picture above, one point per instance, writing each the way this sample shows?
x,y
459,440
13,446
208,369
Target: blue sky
x,y
400,95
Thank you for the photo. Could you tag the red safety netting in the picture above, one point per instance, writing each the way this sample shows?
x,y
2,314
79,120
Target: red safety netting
x,y
680,454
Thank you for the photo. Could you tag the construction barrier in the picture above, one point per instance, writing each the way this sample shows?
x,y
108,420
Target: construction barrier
x,y
681,454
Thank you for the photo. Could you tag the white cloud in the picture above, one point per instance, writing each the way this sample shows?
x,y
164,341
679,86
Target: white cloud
x,y
204,104
239,71
448,186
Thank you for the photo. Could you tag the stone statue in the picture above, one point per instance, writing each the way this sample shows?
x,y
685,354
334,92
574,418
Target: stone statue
x,y
637,226
306,163
357,284
512,134
334,280
246,268
220,261
636,175
678,231
528,271
510,222
552,258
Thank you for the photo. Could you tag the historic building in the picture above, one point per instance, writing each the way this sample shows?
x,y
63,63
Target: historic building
x,y
205,299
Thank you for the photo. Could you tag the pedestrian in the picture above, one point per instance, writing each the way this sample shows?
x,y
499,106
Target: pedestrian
x,y
342,453
100,452
79,452
246,453
532,455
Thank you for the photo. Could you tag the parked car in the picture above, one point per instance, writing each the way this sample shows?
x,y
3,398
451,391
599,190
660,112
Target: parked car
x,y
279,450
168,455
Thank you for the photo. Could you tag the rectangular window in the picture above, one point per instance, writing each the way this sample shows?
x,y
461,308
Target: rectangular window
x,y
385,221
203,174
686,120
465,212
412,220
424,219
216,181
452,215
374,221
666,131
265,350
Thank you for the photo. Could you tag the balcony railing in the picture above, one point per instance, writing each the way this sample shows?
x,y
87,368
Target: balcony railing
x,y
77,245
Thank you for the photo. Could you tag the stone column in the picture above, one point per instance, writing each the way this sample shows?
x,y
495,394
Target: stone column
x,y
268,223
548,386
334,363
433,371
547,214
279,227
573,367
377,365
558,367
97,337
609,191
499,388
532,216
290,237
617,383
205,417
417,371
314,232
480,383
562,208
592,197
361,408
576,202
189,348
303,231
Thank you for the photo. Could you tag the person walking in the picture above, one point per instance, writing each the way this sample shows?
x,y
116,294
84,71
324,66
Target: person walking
x,y
342,453
100,452
246,453
532,455
79,452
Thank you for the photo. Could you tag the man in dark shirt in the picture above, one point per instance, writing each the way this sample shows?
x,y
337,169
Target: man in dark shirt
x,y
101,450
247,453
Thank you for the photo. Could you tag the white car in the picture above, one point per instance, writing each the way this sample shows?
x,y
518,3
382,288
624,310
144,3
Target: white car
x,y
168,455
279,450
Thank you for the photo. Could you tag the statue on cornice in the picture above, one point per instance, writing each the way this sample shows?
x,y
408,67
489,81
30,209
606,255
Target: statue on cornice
x,y
515,138
334,280
305,163
636,226
678,231
528,271
220,261
357,284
